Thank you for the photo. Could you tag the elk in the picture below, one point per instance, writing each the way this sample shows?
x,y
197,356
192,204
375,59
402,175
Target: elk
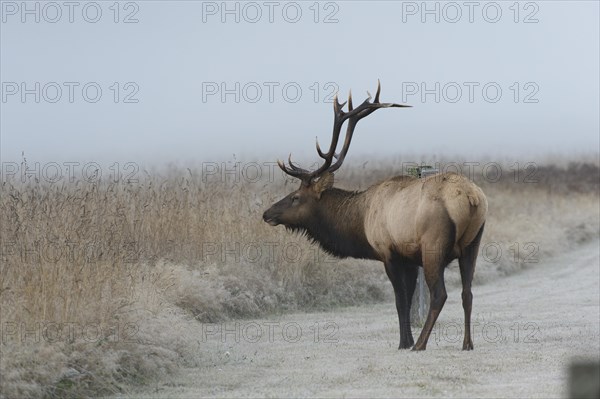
x,y
404,222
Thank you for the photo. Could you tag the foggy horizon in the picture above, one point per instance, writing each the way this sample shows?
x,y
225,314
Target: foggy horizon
x,y
185,82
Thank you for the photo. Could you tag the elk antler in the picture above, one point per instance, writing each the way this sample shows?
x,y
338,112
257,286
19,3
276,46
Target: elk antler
x,y
353,116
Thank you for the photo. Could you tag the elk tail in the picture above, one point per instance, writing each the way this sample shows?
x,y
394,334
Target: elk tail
x,y
474,195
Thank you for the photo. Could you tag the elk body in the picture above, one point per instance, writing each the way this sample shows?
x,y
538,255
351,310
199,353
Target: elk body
x,y
403,222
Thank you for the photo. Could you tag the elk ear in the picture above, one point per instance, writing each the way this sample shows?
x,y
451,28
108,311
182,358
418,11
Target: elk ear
x,y
325,181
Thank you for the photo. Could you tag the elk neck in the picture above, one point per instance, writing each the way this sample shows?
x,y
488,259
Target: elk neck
x,y
338,224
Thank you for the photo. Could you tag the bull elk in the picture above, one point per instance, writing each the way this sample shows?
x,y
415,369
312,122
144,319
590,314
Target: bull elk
x,y
403,221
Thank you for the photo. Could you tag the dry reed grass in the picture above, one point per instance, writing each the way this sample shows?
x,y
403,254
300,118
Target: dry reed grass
x,y
96,276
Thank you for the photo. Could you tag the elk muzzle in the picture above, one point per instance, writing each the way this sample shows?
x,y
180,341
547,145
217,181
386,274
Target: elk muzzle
x,y
270,217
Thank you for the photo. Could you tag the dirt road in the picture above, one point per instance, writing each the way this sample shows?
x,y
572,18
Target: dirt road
x,y
528,327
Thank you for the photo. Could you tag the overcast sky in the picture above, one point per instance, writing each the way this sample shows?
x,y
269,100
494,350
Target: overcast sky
x,y
181,80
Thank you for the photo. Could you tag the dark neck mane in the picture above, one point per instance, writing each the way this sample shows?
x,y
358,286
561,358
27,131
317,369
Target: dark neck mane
x,y
338,227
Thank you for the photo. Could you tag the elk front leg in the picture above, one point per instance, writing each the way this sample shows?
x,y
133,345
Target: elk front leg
x,y
410,279
403,279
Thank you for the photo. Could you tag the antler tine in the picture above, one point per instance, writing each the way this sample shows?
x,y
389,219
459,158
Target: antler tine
x,y
378,91
321,154
350,101
294,170
286,170
294,167
337,107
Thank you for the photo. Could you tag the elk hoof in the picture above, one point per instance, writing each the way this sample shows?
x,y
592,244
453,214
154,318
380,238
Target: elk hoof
x,y
418,348
468,346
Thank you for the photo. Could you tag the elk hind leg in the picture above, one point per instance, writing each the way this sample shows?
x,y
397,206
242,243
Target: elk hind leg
x,y
466,263
438,296
435,259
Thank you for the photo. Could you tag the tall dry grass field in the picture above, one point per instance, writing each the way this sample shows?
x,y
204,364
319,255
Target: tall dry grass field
x,y
99,278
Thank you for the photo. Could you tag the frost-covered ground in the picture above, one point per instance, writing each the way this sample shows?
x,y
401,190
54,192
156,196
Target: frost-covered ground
x,y
528,327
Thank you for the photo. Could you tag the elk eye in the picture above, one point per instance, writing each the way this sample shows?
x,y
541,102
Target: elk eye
x,y
295,198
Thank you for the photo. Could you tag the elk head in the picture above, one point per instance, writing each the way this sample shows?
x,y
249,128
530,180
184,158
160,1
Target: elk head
x,y
298,209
